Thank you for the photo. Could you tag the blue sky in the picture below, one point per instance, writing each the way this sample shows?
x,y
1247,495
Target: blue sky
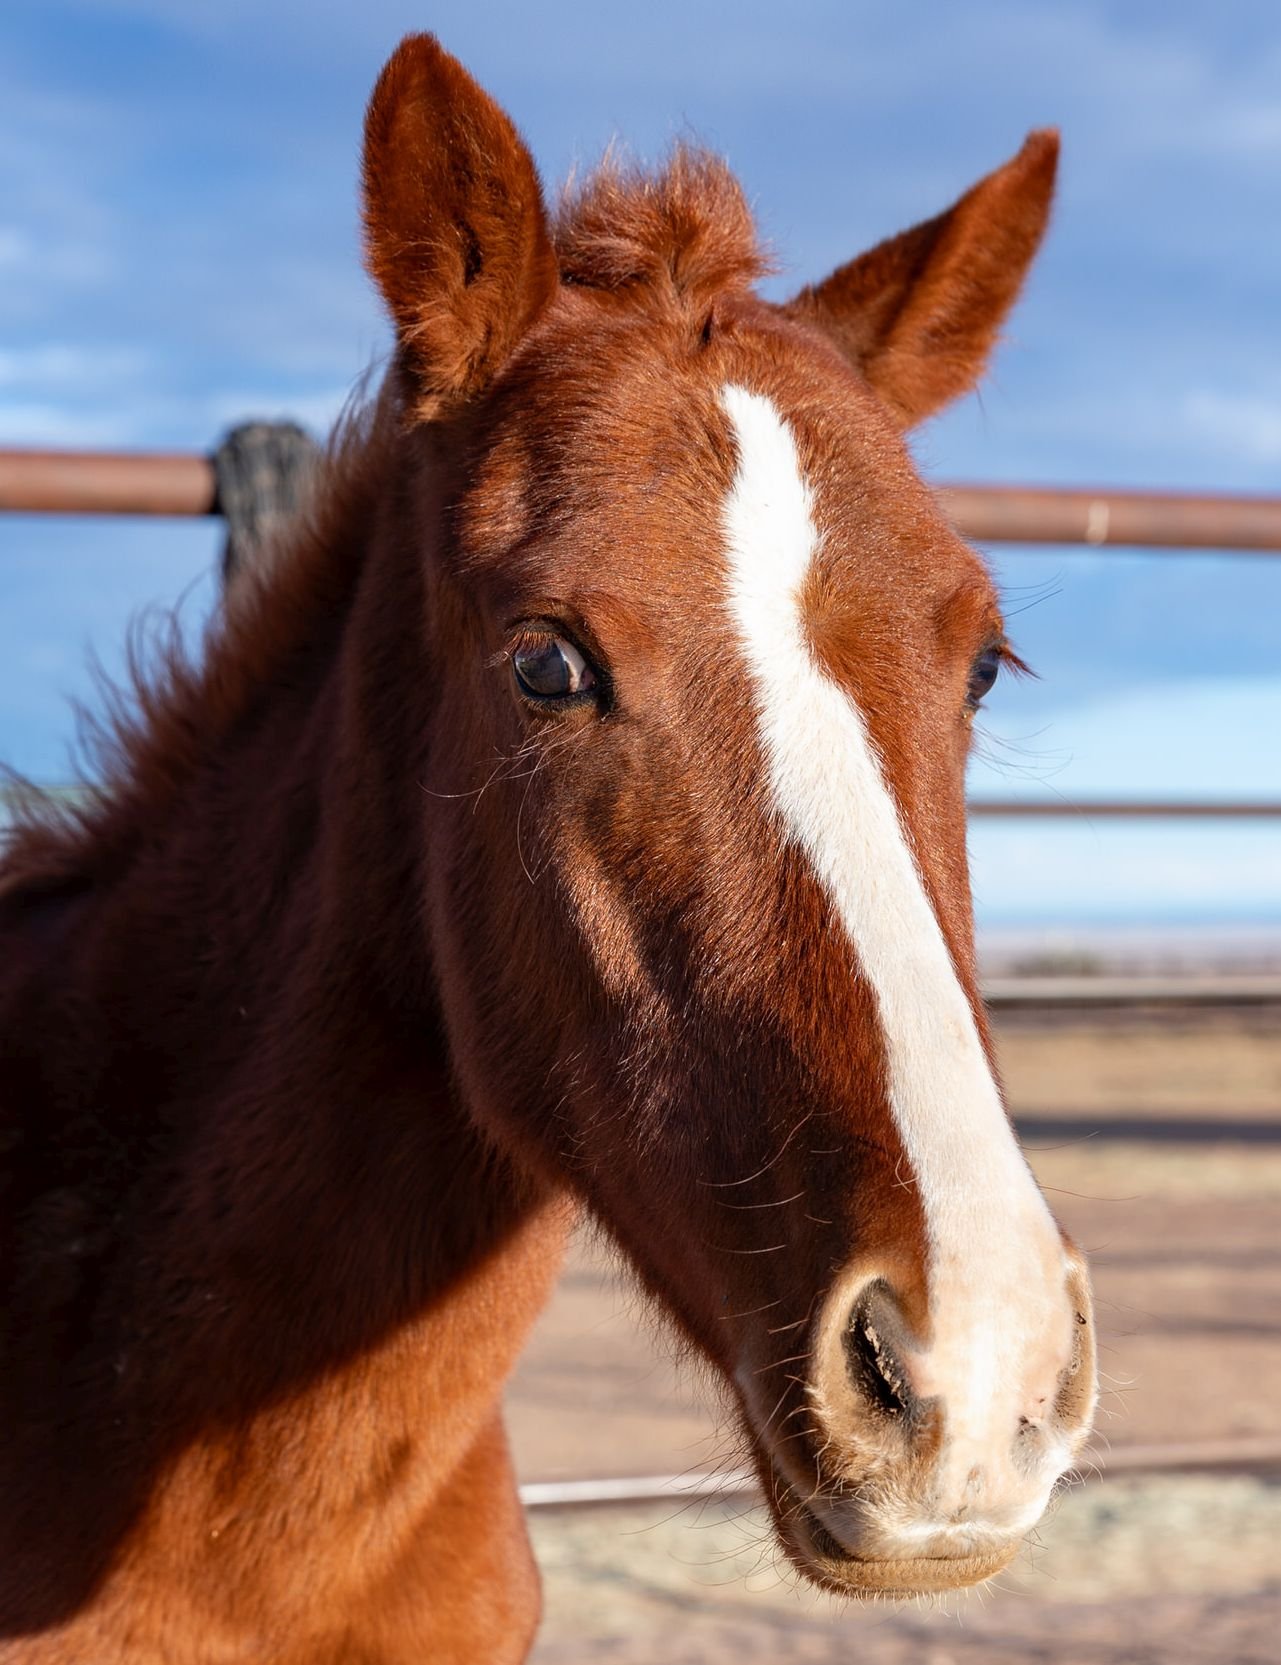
x,y
178,250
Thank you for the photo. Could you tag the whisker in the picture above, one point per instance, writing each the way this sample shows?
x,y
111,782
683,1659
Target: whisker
x,y
781,1203
796,1358
729,1184
752,1311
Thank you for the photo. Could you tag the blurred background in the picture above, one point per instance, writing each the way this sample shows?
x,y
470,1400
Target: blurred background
x,y
179,251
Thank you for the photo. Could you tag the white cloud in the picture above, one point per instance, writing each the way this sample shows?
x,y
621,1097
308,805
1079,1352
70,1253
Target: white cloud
x,y
16,248
317,410
65,366
1236,423
1252,131
141,417
35,422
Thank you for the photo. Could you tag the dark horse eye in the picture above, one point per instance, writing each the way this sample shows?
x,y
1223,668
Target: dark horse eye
x,y
550,668
983,674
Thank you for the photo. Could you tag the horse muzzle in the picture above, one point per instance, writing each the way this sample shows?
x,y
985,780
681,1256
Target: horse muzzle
x,y
921,1462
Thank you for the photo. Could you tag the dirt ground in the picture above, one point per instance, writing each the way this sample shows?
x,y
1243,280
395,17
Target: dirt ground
x,y
1224,1062
1164,1568
1182,1229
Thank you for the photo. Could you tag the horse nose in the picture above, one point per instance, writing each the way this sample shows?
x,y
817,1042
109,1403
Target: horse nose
x,y
942,1428
894,1374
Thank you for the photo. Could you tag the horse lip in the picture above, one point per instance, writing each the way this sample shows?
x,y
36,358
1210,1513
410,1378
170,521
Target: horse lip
x,y
828,1563
898,1580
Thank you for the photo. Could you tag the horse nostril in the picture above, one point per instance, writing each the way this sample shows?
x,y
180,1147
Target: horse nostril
x,y
1076,1385
874,1344
1078,1382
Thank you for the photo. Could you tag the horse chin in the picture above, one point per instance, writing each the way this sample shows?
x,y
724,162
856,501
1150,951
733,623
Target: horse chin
x,y
817,1554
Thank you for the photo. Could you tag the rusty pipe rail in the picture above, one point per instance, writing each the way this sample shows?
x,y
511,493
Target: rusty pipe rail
x,y
1102,517
1122,809
182,483
107,483
1060,809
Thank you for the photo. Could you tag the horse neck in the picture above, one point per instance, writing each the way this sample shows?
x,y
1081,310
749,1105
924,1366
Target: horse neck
x,y
236,1127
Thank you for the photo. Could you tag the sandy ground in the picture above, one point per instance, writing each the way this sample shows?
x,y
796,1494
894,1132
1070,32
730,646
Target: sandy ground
x,y
1225,1062
1184,1242
1167,1568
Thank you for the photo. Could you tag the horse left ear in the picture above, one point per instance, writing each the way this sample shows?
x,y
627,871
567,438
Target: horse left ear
x,y
456,236
919,313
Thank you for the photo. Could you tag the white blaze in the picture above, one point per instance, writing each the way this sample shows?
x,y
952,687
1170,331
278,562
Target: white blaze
x,y
993,1246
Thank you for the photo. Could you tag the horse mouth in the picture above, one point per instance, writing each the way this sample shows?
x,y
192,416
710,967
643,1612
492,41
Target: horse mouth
x,y
817,1553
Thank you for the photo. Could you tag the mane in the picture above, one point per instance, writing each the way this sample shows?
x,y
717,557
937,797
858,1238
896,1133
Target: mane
x,y
176,706
685,231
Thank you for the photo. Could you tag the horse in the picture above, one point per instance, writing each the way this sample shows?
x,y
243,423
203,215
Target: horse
x,y
571,820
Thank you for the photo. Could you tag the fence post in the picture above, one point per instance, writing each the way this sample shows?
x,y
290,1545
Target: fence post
x,y
264,471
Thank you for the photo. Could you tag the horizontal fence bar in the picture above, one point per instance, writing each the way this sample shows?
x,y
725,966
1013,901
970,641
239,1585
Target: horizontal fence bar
x,y
1245,1454
107,483
1010,993
1042,1130
174,483
1061,809
1120,809
1124,519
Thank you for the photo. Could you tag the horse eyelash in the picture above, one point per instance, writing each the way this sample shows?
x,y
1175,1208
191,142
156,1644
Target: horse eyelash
x,y
1011,662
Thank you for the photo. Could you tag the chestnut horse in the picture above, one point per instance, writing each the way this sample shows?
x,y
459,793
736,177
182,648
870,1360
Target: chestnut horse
x,y
575,815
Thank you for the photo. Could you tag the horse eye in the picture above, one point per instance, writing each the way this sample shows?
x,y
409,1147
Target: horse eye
x,y
550,668
983,674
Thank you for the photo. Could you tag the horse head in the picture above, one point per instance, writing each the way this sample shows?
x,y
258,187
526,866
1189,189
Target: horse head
x,y
703,659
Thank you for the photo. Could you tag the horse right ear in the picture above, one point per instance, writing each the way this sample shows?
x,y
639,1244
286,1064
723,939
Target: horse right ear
x,y
456,235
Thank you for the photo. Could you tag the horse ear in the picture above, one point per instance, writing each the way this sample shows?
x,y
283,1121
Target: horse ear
x,y
919,313
456,235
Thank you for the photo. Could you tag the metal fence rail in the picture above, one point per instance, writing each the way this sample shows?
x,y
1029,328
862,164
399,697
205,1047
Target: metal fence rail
x,y
1014,809
1090,990
1124,809
182,483
107,483
1252,1454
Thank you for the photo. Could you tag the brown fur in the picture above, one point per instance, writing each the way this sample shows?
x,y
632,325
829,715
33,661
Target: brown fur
x,y
686,235
352,973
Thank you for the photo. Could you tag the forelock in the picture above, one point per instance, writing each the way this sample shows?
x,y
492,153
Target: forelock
x,y
684,232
